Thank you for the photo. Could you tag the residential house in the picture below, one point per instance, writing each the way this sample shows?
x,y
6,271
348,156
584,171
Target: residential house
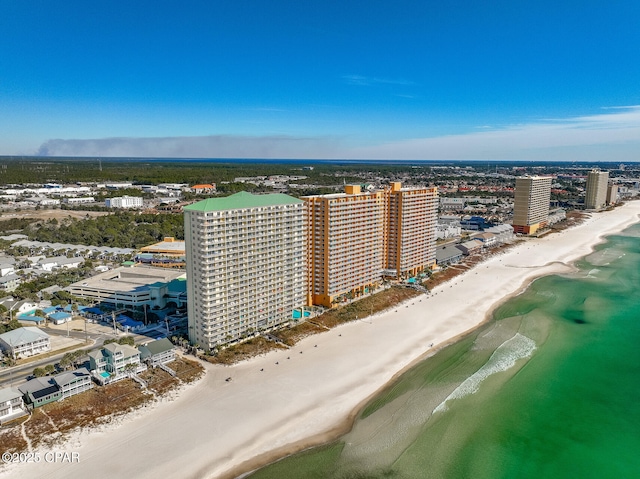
x,y
114,361
32,318
17,308
25,341
471,247
10,282
73,382
7,265
504,233
11,405
59,262
50,290
489,240
40,391
448,254
59,317
161,351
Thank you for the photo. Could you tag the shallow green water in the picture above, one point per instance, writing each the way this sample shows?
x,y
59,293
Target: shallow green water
x,y
550,389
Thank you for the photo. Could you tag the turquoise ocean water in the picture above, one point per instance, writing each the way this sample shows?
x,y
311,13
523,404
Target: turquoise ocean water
x,y
549,389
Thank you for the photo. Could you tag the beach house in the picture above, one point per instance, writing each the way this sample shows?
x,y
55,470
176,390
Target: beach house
x,y
114,361
25,341
73,382
11,405
40,391
161,351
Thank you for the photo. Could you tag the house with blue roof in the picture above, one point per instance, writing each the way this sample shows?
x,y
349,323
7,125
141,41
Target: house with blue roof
x,y
128,324
59,317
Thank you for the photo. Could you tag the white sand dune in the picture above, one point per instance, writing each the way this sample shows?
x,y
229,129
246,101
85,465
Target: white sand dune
x,y
219,429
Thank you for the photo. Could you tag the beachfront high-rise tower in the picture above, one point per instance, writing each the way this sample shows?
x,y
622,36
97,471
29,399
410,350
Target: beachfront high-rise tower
x,y
356,238
531,205
596,194
246,265
612,193
345,250
411,230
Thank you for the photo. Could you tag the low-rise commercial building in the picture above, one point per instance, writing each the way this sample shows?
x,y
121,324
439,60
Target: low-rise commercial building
x,y
124,202
133,288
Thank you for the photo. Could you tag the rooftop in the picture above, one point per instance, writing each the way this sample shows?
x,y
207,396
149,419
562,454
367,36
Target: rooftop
x,y
7,394
70,376
125,349
129,279
25,335
242,200
171,246
156,347
39,387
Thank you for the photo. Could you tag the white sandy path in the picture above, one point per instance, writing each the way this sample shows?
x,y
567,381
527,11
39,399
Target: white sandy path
x,y
215,426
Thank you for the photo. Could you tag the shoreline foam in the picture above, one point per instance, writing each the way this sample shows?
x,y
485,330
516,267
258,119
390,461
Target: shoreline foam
x,y
220,429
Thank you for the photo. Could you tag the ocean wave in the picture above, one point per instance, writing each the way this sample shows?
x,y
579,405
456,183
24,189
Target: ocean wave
x,y
503,358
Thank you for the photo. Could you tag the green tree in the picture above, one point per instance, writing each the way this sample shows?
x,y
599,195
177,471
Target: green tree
x,y
128,340
39,372
49,369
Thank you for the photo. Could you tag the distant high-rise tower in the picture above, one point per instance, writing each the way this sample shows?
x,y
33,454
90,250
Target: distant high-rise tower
x,y
246,265
612,194
531,205
596,195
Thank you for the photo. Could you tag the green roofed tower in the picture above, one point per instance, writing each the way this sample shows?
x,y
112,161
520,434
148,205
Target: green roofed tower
x,y
246,266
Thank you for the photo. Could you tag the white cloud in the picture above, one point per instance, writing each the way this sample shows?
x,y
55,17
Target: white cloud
x,y
366,81
608,136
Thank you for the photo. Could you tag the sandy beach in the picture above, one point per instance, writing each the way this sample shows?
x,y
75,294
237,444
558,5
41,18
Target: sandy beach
x,y
288,400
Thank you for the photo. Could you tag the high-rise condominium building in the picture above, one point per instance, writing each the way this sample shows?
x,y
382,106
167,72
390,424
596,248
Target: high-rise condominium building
x,y
612,194
411,229
596,194
345,241
531,205
355,238
246,265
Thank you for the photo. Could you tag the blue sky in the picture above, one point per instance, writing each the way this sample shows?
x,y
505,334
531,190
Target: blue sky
x,y
445,79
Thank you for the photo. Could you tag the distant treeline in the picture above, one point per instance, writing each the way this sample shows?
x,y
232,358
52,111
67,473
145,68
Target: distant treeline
x,y
18,170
